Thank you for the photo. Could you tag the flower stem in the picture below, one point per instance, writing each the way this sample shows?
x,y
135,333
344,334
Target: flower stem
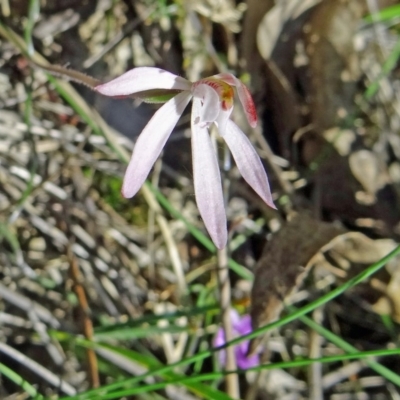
x,y
231,380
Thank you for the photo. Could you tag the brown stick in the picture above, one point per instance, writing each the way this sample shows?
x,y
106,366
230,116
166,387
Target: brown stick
x,y
66,73
87,325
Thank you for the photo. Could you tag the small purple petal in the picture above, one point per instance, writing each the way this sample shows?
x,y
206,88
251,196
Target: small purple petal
x,y
207,180
210,105
241,325
151,141
219,340
141,79
242,360
247,161
235,318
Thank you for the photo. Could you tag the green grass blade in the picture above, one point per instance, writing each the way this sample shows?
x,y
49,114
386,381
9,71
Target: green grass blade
x,y
387,67
371,270
148,361
128,333
218,375
386,14
339,342
33,15
18,380
152,319
281,322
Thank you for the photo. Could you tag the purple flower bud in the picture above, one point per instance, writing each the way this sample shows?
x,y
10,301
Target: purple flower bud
x,y
241,325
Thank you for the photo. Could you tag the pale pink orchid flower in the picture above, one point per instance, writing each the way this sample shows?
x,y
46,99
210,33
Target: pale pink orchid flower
x,y
212,103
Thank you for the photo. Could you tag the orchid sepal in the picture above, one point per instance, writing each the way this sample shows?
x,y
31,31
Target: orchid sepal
x,y
142,79
151,142
247,160
207,180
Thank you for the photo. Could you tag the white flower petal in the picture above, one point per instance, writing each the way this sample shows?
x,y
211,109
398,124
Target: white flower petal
x,y
209,106
244,96
207,180
141,79
151,141
247,161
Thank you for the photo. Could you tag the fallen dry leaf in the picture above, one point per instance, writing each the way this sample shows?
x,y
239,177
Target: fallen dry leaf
x,y
359,251
304,243
281,14
368,170
389,303
284,264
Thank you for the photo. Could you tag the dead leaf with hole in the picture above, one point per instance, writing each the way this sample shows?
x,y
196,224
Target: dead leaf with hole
x,y
360,249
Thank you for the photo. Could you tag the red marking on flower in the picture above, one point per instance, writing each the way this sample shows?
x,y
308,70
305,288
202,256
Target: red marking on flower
x,y
226,104
250,108
244,96
224,90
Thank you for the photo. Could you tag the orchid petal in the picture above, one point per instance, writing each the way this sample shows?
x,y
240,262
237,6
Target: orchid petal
x,y
244,96
242,360
209,105
220,340
235,319
247,161
243,327
141,79
207,180
151,141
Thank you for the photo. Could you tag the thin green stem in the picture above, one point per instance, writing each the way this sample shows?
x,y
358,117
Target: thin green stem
x,y
21,382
